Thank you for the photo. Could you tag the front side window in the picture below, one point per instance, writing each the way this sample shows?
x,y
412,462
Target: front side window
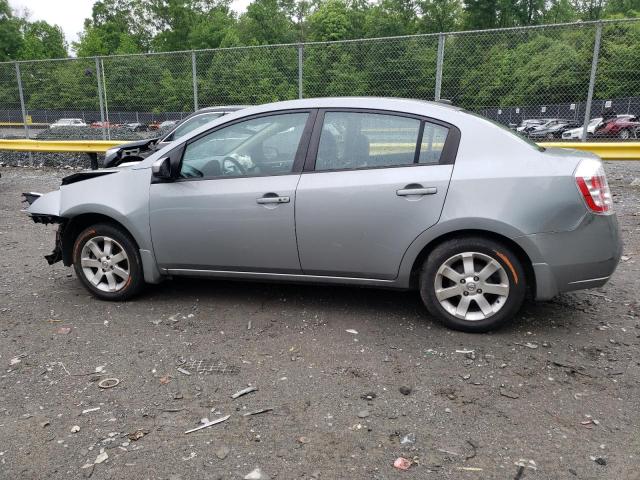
x,y
257,147
367,140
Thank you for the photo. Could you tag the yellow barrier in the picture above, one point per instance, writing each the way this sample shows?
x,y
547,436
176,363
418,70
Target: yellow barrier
x,y
606,150
20,124
59,146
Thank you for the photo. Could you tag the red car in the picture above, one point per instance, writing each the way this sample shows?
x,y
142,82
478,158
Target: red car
x,y
622,127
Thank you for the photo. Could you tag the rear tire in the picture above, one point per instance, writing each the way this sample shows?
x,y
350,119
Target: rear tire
x,y
624,134
107,262
472,284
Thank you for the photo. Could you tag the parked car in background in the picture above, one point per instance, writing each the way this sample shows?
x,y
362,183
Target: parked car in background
x,y
594,123
552,129
68,122
99,124
356,191
622,127
137,127
136,151
167,123
576,133
530,124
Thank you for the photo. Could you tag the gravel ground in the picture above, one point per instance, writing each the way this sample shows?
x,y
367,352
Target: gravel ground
x,y
558,390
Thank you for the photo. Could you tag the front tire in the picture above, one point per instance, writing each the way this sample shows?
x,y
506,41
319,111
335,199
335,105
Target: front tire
x,y
107,262
472,284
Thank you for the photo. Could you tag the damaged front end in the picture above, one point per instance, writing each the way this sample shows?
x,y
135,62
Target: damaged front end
x,y
45,214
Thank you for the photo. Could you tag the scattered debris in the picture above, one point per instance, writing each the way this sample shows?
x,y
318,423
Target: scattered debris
x,y
14,361
222,453
89,410
402,463
209,424
108,383
75,429
408,439
470,469
244,392
351,330
99,369
45,424
599,460
249,325
405,390
368,396
589,422
465,351
257,412
256,474
63,330
164,380
303,440
183,371
363,413
137,435
508,393
102,456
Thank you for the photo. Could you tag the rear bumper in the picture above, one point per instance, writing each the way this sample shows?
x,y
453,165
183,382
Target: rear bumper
x,y
582,258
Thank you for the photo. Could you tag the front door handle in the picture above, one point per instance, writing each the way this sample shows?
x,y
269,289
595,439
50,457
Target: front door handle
x,y
416,190
272,198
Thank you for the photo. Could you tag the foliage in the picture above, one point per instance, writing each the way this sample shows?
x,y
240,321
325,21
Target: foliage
x,y
521,67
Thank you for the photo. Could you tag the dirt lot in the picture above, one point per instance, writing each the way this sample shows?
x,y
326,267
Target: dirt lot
x,y
559,389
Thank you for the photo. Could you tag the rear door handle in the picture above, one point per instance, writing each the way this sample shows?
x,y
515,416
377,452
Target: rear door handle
x,y
271,199
405,192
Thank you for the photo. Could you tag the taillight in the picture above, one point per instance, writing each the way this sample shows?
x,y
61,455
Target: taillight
x,y
592,184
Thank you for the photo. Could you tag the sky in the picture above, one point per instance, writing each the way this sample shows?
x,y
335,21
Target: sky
x,y
70,14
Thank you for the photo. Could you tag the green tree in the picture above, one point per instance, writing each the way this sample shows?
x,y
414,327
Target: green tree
x,y
10,37
266,22
439,15
41,40
115,26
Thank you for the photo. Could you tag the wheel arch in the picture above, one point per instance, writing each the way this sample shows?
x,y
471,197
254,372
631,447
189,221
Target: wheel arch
x,y
77,224
517,249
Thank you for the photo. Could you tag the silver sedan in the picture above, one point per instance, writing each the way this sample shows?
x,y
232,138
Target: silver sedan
x,y
362,191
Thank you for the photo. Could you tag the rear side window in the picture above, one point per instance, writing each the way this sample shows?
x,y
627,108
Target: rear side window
x,y
433,138
351,140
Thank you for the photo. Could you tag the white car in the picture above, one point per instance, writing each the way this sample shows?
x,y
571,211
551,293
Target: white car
x,y
69,122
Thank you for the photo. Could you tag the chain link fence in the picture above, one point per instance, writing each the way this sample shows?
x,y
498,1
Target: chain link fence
x,y
544,81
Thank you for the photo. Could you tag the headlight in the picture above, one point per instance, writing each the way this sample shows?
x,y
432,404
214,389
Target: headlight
x,y
112,151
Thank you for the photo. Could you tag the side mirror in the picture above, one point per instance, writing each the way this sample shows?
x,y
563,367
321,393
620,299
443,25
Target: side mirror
x,y
162,169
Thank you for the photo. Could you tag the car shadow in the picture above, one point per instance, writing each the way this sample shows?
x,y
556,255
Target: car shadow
x,y
356,301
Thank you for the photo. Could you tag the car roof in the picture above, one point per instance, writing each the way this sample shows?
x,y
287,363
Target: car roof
x,y
419,107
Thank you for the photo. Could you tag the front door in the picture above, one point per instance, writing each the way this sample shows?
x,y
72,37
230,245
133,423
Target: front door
x,y
233,206
378,181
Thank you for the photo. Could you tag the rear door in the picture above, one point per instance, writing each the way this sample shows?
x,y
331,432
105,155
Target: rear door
x,y
373,181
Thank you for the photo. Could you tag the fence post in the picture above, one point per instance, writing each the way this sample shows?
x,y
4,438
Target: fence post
x,y
300,52
22,105
100,96
194,74
439,62
592,80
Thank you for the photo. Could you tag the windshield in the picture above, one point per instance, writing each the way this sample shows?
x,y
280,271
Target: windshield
x,y
193,123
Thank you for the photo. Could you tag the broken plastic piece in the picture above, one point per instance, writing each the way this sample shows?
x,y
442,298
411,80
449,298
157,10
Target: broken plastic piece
x,y
243,392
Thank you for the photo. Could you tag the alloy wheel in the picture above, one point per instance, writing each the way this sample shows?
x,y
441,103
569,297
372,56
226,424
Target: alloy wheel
x,y
105,264
471,286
